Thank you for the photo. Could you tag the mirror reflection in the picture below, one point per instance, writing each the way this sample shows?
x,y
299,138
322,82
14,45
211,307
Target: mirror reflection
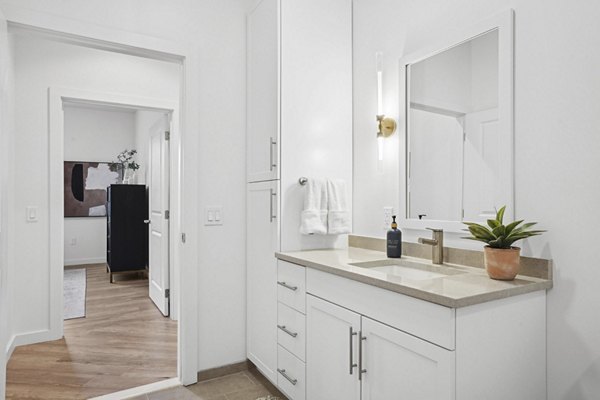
x,y
456,162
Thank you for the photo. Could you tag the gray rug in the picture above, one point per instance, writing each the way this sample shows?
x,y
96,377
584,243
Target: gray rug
x,y
74,293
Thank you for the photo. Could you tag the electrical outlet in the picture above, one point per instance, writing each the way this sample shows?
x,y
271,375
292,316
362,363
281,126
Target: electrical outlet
x,y
387,217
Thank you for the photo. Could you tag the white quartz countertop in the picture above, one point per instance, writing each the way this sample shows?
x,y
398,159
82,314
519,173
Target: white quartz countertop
x,y
470,286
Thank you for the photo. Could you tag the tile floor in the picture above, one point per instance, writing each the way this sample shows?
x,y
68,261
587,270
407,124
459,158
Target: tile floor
x,y
246,385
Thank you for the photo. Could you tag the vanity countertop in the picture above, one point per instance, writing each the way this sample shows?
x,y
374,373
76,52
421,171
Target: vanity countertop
x,y
458,290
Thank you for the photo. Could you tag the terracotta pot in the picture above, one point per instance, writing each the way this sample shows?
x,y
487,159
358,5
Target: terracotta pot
x,y
502,264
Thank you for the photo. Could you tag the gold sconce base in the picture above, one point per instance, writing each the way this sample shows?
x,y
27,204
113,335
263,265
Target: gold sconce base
x,y
387,126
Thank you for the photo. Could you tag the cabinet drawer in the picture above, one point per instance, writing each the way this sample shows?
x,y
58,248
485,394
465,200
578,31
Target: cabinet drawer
x,y
291,285
291,330
290,375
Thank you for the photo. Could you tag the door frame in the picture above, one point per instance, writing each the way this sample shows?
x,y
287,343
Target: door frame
x,y
183,217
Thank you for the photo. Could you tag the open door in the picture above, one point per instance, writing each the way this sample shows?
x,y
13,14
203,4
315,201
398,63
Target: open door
x,y
158,262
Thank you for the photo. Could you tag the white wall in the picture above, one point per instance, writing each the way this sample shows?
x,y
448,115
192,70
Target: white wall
x,y
557,145
6,161
93,134
215,30
316,109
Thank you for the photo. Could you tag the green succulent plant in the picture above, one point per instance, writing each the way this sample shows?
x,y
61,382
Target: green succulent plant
x,y
498,235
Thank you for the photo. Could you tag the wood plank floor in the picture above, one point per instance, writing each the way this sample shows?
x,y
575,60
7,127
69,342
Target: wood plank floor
x,y
123,342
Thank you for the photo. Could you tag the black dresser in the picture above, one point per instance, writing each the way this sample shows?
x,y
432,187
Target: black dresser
x,y
126,231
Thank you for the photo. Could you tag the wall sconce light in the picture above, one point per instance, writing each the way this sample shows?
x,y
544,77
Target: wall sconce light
x,y
386,126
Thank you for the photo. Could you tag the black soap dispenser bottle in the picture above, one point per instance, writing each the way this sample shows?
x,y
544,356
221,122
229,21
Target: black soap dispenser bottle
x,y
394,241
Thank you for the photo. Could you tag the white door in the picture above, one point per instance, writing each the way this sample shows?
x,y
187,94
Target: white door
x,y
158,177
332,335
262,119
400,366
261,279
487,177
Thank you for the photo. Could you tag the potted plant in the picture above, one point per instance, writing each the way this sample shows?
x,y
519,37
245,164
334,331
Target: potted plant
x,y
125,163
501,258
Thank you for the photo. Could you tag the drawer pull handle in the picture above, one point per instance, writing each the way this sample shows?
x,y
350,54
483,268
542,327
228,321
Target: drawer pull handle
x,y
272,162
285,285
272,207
286,376
283,328
352,363
361,370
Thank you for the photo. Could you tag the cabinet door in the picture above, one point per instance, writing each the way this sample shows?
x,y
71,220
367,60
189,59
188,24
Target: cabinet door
x,y
262,242
401,366
331,351
263,92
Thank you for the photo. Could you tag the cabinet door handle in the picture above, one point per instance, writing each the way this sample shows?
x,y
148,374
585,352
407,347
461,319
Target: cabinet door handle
x,y
272,161
286,376
283,328
285,285
352,363
361,370
272,214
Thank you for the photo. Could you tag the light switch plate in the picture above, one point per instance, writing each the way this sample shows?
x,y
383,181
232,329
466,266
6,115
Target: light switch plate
x,y
31,214
213,215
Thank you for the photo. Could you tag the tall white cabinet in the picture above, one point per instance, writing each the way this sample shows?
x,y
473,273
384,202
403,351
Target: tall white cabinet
x,y
299,123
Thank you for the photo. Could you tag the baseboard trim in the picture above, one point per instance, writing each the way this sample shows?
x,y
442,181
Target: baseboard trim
x,y
85,261
29,338
10,347
140,390
229,369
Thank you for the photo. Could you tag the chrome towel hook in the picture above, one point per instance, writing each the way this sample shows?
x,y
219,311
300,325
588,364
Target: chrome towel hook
x,y
302,180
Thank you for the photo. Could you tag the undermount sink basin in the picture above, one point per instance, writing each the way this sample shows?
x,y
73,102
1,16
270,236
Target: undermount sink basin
x,y
409,269
407,272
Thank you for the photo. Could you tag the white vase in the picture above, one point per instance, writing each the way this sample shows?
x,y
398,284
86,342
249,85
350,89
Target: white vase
x,y
127,176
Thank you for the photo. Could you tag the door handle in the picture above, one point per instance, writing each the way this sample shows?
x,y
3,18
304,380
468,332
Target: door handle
x,y
272,161
283,328
147,221
352,363
272,215
361,370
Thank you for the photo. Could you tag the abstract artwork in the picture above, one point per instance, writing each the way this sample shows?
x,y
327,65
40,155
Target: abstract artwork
x,y
85,188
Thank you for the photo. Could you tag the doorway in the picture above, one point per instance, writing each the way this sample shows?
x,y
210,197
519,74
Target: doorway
x,y
51,279
126,331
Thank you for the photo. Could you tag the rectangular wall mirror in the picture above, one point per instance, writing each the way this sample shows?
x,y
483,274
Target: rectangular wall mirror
x,y
458,127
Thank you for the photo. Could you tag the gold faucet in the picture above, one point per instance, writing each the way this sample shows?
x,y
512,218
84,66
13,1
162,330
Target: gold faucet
x,y
437,245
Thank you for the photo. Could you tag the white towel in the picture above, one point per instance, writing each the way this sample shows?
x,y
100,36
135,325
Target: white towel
x,y
338,219
314,216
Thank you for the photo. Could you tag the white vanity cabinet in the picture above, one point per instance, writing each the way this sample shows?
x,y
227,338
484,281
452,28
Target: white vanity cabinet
x,y
368,343
354,357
